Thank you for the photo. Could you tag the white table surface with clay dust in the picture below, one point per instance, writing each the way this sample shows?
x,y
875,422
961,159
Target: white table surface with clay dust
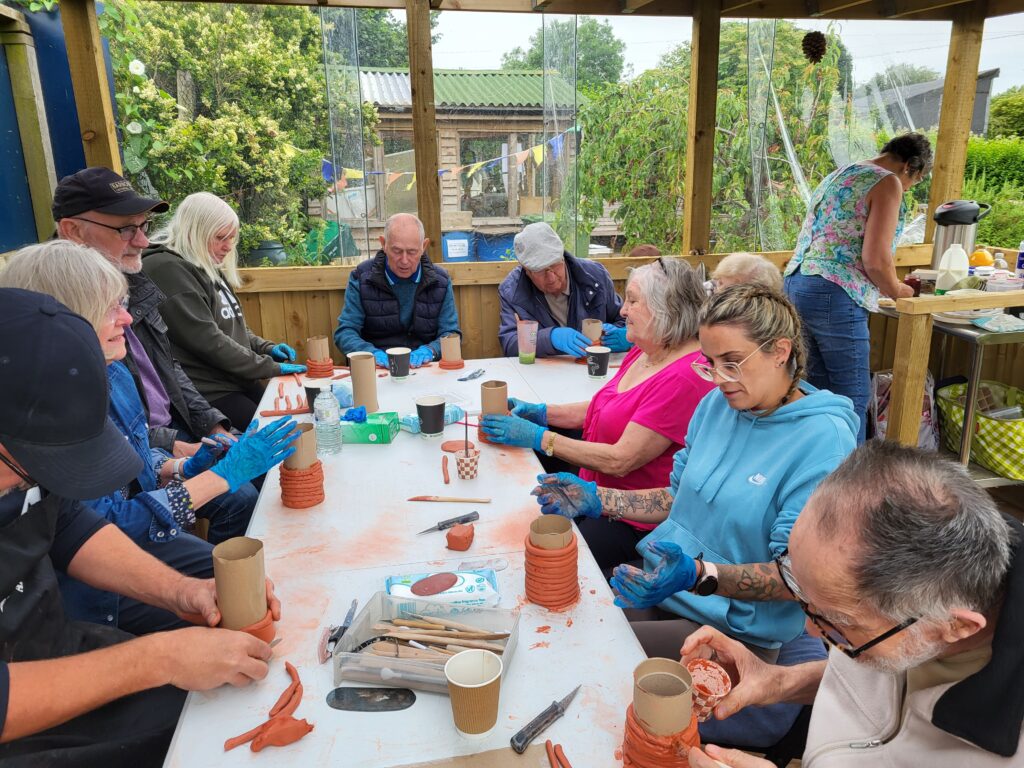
x,y
323,557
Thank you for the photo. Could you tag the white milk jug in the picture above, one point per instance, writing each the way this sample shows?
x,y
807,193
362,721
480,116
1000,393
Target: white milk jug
x,y
952,268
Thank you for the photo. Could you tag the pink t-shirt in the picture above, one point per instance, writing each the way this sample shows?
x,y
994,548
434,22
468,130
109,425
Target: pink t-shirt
x,y
663,403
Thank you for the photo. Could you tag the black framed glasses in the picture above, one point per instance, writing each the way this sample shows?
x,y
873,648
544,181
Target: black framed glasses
x,y
831,634
127,232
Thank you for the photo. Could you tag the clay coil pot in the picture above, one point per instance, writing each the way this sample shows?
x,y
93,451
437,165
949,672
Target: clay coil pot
x,y
551,575
451,366
302,488
264,629
320,369
641,749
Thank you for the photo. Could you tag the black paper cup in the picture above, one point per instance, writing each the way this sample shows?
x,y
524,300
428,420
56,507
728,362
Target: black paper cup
x,y
430,409
398,362
597,361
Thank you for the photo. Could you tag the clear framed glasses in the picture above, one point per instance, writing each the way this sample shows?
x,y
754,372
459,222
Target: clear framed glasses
x,y
127,232
121,304
727,371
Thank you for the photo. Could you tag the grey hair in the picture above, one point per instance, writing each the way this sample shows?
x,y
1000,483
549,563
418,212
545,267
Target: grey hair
x,y
674,291
745,267
396,217
77,276
927,538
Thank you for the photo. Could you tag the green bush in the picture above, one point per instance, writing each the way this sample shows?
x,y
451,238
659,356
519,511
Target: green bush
x,y
1006,114
1004,227
999,161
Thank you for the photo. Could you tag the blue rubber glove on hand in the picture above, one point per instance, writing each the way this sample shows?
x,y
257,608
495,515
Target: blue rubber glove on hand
x,y
421,356
257,451
206,456
381,358
615,339
290,368
535,412
565,494
512,430
283,353
569,341
677,572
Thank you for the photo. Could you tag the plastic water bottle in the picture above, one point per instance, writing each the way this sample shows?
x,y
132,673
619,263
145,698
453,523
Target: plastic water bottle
x,y
327,417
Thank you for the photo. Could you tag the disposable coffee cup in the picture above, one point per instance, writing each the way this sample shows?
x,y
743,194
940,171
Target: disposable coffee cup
x,y
430,409
474,687
398,362
597,361
527,333
313,387
467,463
711,684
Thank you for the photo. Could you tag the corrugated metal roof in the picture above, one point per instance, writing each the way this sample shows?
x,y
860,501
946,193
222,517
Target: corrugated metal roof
x,y
462,88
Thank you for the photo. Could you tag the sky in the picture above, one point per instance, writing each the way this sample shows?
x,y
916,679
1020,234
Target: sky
x,y
478,40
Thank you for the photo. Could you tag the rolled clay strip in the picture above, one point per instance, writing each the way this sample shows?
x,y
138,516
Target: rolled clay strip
x,y
281,728
551,575
451,446
280,389
641,749
281,733
444,469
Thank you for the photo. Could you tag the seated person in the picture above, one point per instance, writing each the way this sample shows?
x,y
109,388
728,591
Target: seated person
x,y
756,448
559,291
399,298
155,518
905,567
77,693
636,422
741,268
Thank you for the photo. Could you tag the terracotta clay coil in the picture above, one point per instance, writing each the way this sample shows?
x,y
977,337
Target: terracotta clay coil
x,y
302,493
560,583
263,629
302,482
451,446
320,369
434,584
558,603
557,607
542,553
444,469
641,749
292,504
451,366
553,592
315,467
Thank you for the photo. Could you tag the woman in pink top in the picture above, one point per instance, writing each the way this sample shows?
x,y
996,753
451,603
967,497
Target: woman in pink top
x,y
636,422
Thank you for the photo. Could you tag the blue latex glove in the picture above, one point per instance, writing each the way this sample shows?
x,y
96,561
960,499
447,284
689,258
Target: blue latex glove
x,y
283,353
569,341
289,368
257,451
535,412
512,430
614,337
206,456
566,494
421,356
355,415
381,358
677,572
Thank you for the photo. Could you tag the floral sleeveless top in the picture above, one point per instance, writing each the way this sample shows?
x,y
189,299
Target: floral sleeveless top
x,y
832,237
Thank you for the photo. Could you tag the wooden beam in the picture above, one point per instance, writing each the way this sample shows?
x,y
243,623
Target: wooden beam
x,y
820,8
902,9
632,6
925,305
909,370
424,124
957,110
700,126
89,79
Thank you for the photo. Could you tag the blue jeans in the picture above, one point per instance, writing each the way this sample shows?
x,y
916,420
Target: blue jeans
x,y
229,513
836,335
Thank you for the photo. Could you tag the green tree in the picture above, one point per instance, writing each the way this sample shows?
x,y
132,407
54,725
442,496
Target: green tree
x,y
1006,113
382,38
586,46
902,74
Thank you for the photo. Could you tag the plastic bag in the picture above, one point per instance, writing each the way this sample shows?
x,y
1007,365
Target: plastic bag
x,y
878,410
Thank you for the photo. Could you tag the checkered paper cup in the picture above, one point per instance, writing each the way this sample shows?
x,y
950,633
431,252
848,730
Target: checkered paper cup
x,y
711,684
467,463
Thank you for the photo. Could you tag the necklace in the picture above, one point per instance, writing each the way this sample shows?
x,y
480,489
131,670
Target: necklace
x,y
649,362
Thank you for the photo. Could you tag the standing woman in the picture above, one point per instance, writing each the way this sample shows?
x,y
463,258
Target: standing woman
x,y
193,261
844,258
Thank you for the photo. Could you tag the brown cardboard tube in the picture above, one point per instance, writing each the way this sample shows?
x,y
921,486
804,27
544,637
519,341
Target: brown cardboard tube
x,y
662,696
551,532
317,348
305,448
451,348
240,577
494,397
593,329
364,380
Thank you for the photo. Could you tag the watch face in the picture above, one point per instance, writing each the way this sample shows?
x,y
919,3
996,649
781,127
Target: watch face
x,y
708,586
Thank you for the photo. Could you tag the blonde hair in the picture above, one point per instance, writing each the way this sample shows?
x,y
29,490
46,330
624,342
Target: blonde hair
x,y
745,267
197,219
77,276
674,292
764,315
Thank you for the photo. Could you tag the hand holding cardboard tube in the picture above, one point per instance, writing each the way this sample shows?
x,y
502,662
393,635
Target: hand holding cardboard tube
x,y
197,601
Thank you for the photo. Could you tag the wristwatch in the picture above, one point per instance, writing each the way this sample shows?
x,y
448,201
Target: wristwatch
x,y
707,577
549,449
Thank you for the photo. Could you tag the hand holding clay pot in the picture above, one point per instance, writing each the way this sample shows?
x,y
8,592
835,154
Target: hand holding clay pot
x,y
535,412
201,659
754,683
197,601
569,341
511,430
565,494
283,353
257,451
677,572
715,757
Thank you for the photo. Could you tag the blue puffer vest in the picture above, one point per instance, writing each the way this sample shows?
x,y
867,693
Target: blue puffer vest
x,y
382,325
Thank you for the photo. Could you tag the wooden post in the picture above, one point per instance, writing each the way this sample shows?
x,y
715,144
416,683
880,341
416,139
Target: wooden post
x,y
513,176
700,126
958,94
424,125
89,79
909,371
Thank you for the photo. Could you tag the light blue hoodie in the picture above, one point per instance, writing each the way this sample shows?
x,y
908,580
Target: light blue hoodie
x,y
739,484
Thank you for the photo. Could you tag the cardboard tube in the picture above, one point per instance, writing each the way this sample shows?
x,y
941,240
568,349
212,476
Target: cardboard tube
x,y
451,348
317,348
551,532
593,329
241,582
305,448
364,380
494,397
662,696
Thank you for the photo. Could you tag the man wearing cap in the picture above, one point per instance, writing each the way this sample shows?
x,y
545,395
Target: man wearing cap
x,y
99,208
399,298
79,693
559,291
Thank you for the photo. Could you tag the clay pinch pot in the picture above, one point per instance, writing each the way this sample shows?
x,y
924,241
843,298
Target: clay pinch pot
x,y
263,629
467,463
641,749
711,684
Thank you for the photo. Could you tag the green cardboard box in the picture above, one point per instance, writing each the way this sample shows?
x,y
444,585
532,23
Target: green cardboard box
x,y
379,428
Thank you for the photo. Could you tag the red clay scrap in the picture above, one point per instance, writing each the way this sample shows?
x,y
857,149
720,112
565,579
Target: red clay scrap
x,y
460,536
281,729
434,584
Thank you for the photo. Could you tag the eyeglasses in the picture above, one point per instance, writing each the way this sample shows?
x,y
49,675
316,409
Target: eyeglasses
x,y
122,304
829,632
727,371
127,233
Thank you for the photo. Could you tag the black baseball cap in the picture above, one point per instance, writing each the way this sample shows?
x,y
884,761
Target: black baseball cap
x,y
100,189
53,413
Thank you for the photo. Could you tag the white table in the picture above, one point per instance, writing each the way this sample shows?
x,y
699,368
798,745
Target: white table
x,y
323,557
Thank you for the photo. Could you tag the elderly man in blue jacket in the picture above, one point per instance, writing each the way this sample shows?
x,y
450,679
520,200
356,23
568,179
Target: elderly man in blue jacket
x,y
559,291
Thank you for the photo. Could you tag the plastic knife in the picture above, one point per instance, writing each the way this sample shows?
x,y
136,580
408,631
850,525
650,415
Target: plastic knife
x,y
536,726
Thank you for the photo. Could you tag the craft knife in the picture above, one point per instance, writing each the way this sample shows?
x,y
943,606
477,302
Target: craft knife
x,y
536,726
446,524
334,634
474,375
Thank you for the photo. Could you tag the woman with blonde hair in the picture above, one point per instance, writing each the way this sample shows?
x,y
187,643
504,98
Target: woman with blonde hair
x,y
742,267
193,260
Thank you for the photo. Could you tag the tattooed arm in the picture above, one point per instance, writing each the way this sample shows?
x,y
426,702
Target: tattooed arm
x,y
752,581
650,506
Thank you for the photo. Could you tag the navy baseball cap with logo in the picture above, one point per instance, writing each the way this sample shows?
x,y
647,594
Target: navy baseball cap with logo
x,y
102,190
53,413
